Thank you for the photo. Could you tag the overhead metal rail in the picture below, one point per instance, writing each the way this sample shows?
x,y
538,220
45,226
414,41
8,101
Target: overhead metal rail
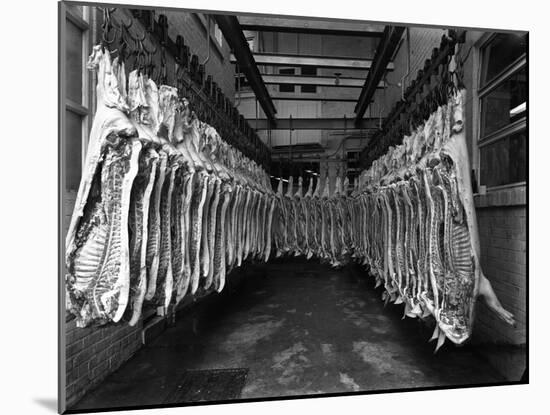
x,y
425,87
311,31
315,124
324,96
297,148
315,98
384,52
231,29
205,96
316,80
277,59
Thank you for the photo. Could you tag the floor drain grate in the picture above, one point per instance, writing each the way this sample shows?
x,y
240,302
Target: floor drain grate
x,y
207,385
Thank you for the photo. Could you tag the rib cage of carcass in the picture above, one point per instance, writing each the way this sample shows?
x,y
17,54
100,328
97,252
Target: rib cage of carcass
x,y
164,208
410,218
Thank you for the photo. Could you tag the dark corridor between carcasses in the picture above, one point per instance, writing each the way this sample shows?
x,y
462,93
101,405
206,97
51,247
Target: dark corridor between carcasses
x,y
292,327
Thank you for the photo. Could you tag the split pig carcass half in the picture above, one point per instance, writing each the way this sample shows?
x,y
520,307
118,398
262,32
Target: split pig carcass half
x,y
165,207
97,242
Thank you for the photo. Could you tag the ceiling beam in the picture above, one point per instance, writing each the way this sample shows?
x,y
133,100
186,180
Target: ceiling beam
x,y
277,59
310,26
229,25
384,52
314,124
324,96
311,31
302,98
315,80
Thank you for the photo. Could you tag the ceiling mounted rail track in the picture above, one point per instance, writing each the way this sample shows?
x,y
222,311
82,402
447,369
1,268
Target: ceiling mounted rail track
x,y
310,27
384,52
279,59
232,32
315,124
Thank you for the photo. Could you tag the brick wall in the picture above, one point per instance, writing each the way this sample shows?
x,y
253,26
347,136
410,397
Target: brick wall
x,y
93,353
193,27
502,233
422,42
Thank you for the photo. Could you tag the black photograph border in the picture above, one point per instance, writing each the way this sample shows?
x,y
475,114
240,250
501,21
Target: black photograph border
x,y
61,212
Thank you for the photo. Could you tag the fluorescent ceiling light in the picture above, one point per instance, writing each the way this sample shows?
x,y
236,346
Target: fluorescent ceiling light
x,y
518,110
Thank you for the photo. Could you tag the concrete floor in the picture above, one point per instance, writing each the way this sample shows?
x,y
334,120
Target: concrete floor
x,y
300,328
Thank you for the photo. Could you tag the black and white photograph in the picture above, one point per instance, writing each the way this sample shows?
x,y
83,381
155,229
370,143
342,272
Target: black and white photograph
x,y
263,206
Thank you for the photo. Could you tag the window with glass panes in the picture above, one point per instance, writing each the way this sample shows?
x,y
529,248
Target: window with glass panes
x,y
309,71
286,87
503,104
76,91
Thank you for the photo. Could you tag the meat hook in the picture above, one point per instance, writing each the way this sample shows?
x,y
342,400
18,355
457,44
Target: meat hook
x,y
105,33
138,40
152,52
162,70
141,60
150,65
129,25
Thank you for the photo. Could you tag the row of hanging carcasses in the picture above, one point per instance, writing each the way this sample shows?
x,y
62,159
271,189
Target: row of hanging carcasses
x,y
165,207
409,218
314,223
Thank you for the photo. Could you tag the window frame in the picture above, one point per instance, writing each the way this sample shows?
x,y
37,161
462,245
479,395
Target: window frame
x,y
482,91
81,109
281,71
306,86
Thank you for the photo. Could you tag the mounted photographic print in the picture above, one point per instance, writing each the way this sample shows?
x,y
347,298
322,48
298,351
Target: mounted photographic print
x,y
264,206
